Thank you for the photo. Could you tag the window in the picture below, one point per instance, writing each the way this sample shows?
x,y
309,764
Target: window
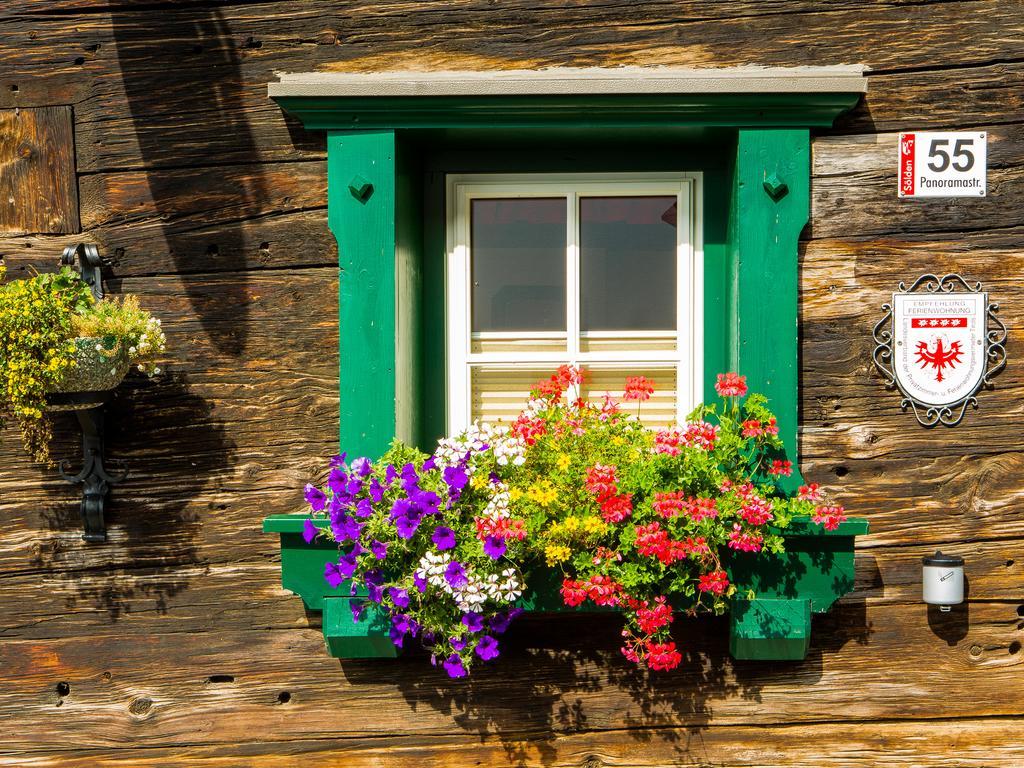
x,y
600,270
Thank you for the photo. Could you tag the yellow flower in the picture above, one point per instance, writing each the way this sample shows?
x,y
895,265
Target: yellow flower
x,y
479,482
515,494
571,523
556,553
542,493
618,440
594,524
563,462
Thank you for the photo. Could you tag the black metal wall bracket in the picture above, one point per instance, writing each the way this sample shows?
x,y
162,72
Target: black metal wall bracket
x,y
91,264
93,476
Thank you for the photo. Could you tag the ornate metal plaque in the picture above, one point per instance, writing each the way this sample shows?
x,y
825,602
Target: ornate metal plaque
x,y
939,343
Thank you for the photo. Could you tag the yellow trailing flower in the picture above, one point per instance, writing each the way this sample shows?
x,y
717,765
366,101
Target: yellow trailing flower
x,y
556,553
564,462
543,493
515,494
593,524
479,482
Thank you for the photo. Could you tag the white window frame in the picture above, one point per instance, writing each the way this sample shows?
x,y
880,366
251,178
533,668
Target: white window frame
x,y
688,357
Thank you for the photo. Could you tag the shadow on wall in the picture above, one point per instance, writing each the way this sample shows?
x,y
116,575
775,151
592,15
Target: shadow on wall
x,y
173,450
561,675
186,74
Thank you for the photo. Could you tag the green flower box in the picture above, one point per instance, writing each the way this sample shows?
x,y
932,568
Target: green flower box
x,y
815,570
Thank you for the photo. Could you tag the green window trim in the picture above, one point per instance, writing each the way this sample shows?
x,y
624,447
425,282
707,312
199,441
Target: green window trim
x,y
386,159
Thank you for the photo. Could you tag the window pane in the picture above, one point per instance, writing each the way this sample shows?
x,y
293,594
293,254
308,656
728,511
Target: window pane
x,y
517,249
499,393
658,412
628,263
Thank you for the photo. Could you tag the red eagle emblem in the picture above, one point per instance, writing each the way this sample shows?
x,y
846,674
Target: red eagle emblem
x,y
940,358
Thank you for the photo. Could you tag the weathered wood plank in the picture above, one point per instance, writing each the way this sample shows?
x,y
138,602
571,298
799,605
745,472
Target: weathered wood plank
x,y
845,409
243,418
274,241
556,675
973,743
241,592
37,171
115,71
853,189
939,99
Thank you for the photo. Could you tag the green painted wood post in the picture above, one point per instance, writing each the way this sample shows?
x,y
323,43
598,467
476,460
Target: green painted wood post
x,y
361,214
771,205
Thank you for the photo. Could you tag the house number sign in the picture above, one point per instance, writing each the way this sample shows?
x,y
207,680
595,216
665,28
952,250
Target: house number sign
x,y
939,343
942,164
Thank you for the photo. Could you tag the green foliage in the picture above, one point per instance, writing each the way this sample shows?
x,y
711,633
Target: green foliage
x,y
39,319
36,347
131,328
623,516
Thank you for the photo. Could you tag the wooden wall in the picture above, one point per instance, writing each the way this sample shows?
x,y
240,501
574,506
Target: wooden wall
x,y
173,645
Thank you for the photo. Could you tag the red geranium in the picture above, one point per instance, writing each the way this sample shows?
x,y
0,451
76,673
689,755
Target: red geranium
x,y
663,656
638,388
715,582
731,385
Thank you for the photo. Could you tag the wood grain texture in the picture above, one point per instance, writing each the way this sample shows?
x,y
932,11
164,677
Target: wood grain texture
x,y
176,641
38,187
556,676
976,743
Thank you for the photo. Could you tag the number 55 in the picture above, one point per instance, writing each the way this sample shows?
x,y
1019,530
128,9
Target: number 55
x,y
964,156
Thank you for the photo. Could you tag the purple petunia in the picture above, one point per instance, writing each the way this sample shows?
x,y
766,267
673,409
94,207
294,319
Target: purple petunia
x,y
473,621
353,486
420,582
338,461
458,643
390,473
455,575
453,666
407,524
430,500
429,464
404,624
487,648
316,498
362,466
336,480
499,623
346,528
364,508
356,606
333,575
379,549
443,537
494,547
376,490
309,531
399,597
347,565
455,478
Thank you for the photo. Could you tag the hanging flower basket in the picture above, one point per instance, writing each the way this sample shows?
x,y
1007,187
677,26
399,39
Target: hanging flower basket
x,y
100,366
815,570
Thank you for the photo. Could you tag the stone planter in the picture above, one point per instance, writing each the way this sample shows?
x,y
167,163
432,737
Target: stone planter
x,y
815,571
